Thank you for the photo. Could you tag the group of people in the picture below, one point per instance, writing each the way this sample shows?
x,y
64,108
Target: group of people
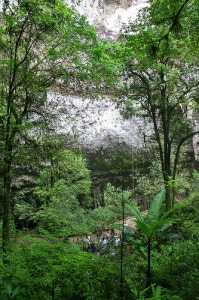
x,y
103,243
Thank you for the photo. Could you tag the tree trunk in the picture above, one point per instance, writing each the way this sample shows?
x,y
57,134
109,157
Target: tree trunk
x,y
6,207
148,276
168,197
8,157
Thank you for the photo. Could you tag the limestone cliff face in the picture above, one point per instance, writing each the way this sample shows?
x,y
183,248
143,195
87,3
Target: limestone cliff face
x,y
98,125
108,16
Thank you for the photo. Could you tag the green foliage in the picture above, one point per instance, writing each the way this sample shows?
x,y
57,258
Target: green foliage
x,y
177,272
154,209
156,293
63,189
112,211
175,266
157,58
10,293
43,268
149,226
61,219
25,214
151,222
195,181
43,45
57,199
150,179
66,169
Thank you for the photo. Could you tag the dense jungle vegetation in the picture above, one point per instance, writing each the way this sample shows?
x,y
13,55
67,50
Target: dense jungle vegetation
x,y
53,230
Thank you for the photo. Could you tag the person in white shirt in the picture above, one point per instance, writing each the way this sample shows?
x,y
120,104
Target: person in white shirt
x,y
117,241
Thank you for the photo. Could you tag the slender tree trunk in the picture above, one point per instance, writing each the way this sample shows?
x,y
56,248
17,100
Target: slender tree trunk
x,y
6,206
9,138
168,196
148,276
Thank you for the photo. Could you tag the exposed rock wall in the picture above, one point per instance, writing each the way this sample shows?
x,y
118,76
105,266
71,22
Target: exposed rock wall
x,y
96,125
108,16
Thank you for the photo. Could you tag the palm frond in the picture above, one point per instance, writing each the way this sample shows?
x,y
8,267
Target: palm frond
x,y
134,211
155,206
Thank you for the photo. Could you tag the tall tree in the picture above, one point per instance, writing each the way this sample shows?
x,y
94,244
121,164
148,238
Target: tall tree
x,y
161,77
43,44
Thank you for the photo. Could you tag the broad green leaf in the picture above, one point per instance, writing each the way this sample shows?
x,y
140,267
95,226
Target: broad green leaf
x,y
159,224
134,211
155,206
144,227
